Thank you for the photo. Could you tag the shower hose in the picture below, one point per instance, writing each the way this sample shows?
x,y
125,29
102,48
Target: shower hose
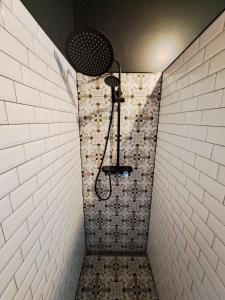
x,y
102,160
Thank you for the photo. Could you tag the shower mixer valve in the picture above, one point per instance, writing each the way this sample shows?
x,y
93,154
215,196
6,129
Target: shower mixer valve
x,y
117,170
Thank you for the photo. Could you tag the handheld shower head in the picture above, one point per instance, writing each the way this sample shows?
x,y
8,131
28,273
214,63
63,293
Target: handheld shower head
x,y
112,81
89,52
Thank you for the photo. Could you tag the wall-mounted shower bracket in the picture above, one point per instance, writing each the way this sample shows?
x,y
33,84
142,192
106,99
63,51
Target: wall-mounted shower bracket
x,y
116,100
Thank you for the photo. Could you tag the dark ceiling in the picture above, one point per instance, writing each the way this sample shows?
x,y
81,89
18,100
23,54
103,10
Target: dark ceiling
x,y
147,35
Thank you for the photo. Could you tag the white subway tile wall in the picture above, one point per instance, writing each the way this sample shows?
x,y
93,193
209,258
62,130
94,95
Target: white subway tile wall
x,y
186,244
41,204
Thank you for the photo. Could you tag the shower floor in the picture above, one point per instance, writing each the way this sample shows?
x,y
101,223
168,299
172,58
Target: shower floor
x,y
116,278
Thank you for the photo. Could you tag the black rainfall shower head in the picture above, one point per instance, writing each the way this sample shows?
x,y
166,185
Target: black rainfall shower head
x,y
112,81
89,52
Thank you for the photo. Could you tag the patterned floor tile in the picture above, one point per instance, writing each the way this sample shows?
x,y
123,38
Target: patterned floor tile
x,y
116,278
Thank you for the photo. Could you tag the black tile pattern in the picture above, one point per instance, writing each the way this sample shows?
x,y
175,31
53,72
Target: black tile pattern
x,y
121,223
116,278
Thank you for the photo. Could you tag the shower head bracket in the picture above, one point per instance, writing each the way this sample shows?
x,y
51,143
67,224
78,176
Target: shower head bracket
x,y
118,100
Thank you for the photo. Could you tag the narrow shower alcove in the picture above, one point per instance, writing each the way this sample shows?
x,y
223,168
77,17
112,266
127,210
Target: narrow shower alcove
x,y
161,239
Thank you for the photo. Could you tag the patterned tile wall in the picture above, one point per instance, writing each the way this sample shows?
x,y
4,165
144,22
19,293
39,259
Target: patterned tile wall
x,y
120,223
